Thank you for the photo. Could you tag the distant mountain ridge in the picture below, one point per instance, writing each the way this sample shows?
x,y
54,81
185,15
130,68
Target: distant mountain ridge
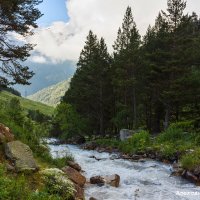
x,y
46,74
52,94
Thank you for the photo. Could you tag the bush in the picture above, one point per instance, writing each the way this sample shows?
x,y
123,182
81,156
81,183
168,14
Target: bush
x,y
184,125
54,187
138,142
57,183
108,142
191,160
168,150
171,134
68,121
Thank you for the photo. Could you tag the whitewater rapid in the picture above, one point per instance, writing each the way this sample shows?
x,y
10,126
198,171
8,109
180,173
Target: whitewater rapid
x,y
146,180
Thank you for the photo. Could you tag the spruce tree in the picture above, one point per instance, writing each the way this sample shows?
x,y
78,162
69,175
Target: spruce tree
x,y
90,85
125,64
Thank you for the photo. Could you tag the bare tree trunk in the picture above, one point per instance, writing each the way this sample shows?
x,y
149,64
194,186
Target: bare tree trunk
x,y
101,120
167,116
134,108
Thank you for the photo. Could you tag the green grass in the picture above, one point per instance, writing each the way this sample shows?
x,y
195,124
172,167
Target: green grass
x,y
180,141
26,103
24,187
191,160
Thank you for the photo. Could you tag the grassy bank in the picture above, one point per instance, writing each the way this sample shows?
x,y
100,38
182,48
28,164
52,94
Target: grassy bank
x,y
29,127
26,104
179,142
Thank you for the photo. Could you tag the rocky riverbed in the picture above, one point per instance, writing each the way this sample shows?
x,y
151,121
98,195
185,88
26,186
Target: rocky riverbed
x,y
143,179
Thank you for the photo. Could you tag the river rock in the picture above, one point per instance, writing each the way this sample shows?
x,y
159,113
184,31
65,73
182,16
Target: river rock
x,y
92,198
21,155
190,176
114,157
125,134
99,180
197,171
113,180
136,157
79,140
74,175
177,169
5,134
10,167
74,165
90,146
126,157
79,192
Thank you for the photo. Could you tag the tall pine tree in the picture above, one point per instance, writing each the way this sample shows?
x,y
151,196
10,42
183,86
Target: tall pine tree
x,y
125,64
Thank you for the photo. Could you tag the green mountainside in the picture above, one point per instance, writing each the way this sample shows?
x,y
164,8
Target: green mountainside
x,y
26,104
51,95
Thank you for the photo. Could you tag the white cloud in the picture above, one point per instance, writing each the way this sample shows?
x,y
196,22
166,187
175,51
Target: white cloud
x,y
38,59
64,41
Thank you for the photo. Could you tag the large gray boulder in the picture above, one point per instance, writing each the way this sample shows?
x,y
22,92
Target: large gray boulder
x,y
21,155
125,134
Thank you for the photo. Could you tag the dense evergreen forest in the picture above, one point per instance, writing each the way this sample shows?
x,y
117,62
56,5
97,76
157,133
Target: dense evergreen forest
x,y
146,83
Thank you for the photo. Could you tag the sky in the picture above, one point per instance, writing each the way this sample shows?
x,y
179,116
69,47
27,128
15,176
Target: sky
x,y
65,24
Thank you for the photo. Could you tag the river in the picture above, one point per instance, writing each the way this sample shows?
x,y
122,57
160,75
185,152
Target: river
x,y
146,180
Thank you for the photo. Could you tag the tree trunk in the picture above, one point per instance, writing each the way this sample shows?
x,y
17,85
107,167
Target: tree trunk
x,y
167,117
134,108
101,120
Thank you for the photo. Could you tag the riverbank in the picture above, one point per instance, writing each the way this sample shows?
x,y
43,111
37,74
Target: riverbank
x,y
177,147
35,175
145,179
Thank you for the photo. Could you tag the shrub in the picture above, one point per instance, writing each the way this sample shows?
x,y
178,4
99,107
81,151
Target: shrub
x,y
108,142
184,125
171,134
191,160
57,183
69,121
168,150
138,142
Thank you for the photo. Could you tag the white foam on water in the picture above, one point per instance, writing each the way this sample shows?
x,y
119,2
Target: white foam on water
x,y
149,180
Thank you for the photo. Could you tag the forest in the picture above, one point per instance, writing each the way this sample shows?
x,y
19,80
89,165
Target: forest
x,y
147,82
147,85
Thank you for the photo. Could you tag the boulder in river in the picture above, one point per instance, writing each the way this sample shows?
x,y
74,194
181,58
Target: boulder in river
x,y
74,165
99,180
74,175
197,171
92,198
5,134
21,155
90,146
113,180
177,169
190,176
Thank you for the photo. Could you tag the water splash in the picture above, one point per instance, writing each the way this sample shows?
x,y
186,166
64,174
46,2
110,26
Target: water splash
x,y
147,180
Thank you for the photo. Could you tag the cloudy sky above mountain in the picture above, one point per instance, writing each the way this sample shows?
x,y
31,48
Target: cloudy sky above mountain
x,y
66,23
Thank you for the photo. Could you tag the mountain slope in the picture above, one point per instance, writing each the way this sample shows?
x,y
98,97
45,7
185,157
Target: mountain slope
x,y
46,74
26,103
51,95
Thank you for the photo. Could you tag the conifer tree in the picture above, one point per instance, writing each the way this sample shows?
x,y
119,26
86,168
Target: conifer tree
x,y
90,85
126,58
17,17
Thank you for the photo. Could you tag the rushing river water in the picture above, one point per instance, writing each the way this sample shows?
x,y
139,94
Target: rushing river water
x,y
147,180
